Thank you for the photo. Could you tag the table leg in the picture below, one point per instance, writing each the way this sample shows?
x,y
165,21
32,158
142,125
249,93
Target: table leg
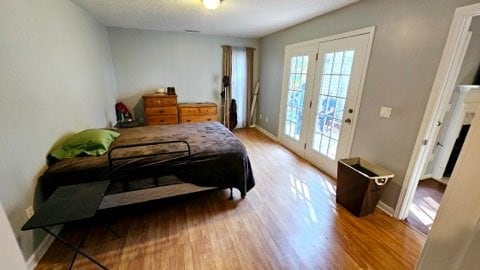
x,y
85,233
77,250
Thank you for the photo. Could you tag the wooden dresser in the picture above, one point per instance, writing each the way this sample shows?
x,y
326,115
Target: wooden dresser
x,y
197,112
160,109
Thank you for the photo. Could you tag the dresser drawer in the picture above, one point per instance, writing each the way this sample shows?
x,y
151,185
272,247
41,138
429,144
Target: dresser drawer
x,y
152,111
208,110
188,111
200,118
194,109
159,101
162,120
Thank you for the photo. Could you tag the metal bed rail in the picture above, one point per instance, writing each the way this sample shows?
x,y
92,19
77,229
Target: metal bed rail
x,y
121,172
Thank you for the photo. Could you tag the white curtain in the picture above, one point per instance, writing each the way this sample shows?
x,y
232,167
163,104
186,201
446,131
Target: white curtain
x,y
239,84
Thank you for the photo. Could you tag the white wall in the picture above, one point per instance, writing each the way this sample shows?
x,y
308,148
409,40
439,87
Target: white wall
x,y
407,47
56,77
145,60
10,257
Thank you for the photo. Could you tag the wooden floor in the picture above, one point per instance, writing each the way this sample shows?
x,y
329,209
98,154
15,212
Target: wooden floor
x,y
289,220
425,204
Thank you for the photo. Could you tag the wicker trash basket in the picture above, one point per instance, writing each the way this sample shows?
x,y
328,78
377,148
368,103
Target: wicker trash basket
x,y
360,185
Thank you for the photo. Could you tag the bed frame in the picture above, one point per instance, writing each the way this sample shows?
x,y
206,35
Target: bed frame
x,y
124,175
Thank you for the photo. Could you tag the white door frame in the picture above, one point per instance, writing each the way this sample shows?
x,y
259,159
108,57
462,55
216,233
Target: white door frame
x,y
443,86
367,30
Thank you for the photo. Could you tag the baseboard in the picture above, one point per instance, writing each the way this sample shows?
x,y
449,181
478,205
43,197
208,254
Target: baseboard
x,y
443,180
266,133
385,208
426,176
42,249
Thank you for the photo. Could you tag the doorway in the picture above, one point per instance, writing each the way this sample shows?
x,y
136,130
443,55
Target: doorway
x,y
322,85
449,142
443,87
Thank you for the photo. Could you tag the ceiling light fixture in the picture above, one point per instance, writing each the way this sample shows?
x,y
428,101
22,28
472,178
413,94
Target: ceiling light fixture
x,y
211,4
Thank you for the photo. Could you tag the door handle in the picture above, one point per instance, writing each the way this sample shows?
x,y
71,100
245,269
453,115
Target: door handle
x,y
348,120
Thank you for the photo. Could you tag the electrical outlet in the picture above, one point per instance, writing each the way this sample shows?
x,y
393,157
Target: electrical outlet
x,y
260,116
385,112
266,119
29,211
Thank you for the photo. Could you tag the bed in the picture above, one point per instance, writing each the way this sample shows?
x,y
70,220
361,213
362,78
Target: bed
x,y
205,155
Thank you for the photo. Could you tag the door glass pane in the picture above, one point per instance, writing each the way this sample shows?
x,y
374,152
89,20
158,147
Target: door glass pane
x,y
347,62
335,130
296,92
291,80
334,83
327,65
337,63
296,83
325,84
343,86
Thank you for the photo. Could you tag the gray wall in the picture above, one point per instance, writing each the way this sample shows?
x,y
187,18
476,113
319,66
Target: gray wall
x,y
471,62
145,60
56,77
407,48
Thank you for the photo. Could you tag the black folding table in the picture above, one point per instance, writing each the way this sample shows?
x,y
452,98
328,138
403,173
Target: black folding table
x,y
69,204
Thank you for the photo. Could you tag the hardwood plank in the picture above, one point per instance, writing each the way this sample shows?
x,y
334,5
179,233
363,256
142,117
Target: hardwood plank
x,y
425,204
289,220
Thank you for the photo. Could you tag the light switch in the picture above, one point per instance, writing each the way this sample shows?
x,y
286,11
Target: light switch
x,y
385,112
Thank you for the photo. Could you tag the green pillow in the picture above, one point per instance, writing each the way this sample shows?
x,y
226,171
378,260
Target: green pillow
x,y
92,142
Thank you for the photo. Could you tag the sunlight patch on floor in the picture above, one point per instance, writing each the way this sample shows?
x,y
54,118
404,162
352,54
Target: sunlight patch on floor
x,y
425,211
301,191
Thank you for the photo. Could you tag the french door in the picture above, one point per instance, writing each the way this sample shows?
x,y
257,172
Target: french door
x,y
321,93
299,83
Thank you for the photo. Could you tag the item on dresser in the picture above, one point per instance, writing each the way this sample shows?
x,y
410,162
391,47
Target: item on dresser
x,y
160,109
171,90
197,112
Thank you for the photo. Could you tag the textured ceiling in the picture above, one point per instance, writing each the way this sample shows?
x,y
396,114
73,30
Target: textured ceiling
x,y
235,18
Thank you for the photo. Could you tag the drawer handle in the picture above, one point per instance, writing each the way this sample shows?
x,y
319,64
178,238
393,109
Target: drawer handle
x,y
209,119
161,120
188,120
160,111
